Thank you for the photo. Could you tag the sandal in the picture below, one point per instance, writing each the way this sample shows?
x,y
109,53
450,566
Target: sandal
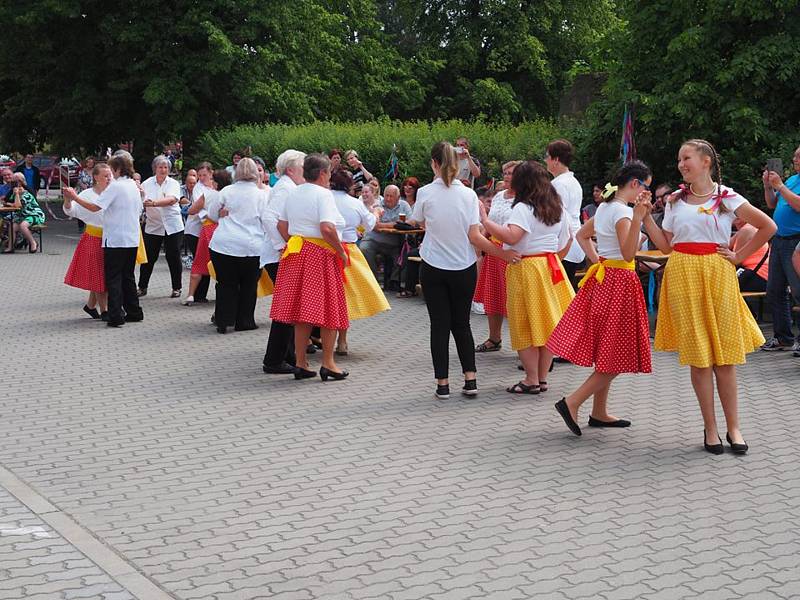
x,y
521,388
489,346
542,386
406,294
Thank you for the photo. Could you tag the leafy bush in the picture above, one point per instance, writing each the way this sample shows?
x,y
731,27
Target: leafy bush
x,y
492,144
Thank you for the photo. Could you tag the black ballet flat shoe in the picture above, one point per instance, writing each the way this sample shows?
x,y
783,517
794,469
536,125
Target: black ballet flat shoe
x,y
736,448
470,387
104,316
134,318
246,327
713,448
618,423
301,373
563,410
281,369
222,329
92,312
325,373
115,323
442,391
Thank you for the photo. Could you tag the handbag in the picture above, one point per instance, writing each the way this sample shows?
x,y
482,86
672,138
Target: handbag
x,y
750,280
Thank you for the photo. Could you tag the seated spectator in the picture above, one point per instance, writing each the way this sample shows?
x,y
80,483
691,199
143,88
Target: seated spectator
x,y
7,184
590,208
386,245
28,212
360,173
369,197
469,167
754,270
410,187
376,187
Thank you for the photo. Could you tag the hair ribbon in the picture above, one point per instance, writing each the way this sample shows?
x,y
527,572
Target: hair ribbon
x,y
609,189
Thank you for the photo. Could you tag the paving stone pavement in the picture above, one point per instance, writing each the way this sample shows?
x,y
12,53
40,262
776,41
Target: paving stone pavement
x,y
164,443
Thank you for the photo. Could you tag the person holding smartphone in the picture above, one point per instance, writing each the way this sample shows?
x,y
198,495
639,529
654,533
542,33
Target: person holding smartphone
x,y
469,168
784,198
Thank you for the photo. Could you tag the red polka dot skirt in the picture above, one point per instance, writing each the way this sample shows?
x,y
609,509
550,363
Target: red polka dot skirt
x,y
202,254
491,287
86,269
310,289
606,326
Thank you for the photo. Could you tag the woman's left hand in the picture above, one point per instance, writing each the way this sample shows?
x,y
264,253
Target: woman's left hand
x,y
511,256
728,254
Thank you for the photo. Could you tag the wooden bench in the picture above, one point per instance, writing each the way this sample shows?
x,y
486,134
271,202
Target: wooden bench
x,y
759,297
414,259
38,229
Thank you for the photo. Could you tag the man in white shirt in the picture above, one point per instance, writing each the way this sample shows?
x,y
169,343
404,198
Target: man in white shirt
x,y
557,158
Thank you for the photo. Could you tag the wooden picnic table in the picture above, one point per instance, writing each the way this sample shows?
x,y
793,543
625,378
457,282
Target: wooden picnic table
x,y
10,210
400,231
652,256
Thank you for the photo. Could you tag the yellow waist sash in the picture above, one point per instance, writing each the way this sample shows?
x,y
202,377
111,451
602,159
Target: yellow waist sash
x,y
295,244
141,253
94,231
598,270
205,222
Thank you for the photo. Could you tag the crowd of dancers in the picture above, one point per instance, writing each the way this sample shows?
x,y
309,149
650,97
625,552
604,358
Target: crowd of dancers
x,y
297,240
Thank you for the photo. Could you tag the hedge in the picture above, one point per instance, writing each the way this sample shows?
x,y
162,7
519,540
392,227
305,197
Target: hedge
x,y
493,144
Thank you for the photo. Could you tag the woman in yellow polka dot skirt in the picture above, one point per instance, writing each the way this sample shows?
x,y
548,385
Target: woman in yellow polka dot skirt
x,y
606,325
537,289
702,315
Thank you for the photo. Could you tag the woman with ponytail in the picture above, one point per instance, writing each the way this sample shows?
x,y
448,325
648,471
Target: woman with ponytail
x,y
450,213
702,315
606,325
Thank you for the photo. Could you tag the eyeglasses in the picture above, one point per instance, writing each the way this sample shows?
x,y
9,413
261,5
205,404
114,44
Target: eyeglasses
x,y
643,184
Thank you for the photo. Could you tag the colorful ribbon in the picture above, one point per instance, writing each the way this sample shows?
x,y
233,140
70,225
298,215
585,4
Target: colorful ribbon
x,y
553,263
609,190
295,244
598,269
94,231
696,248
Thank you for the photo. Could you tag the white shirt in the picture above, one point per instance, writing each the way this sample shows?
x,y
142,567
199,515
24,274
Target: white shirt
x,y
270,214
240,232
122,204
194,223
162,219
448,213
538,238
78,212
307,207
571,195
501,208
354,214
605,227
687,224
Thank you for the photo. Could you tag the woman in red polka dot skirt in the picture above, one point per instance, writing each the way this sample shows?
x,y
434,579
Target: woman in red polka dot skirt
x,y
606,325
86,269
491,287
311,272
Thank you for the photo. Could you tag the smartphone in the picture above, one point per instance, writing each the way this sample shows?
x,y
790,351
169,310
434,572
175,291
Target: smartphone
x,y
776,165
459,150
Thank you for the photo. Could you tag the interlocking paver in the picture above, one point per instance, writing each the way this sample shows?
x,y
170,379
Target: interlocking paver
x,y
218,482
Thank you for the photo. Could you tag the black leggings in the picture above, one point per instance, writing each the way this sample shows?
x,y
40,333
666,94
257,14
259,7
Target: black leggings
x,y
280,344
202,289
237,285
172,250
448,296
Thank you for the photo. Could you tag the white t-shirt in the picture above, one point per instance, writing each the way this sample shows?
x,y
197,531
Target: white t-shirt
x,y
162,219
239,233
78,212
501,208
307,207
539,238
571,195
122,204
354,214
605,227
194,223
448,213
270,214
687,224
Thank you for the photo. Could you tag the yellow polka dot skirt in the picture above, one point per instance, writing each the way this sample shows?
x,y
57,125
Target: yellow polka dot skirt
x,y
363,294
701,315
534,304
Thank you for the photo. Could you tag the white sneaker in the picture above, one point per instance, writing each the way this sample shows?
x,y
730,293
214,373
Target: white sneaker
x,y
796,349
477,308
189,301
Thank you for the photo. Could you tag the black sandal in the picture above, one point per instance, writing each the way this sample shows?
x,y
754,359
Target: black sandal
x,y
521,388
542,386
489,346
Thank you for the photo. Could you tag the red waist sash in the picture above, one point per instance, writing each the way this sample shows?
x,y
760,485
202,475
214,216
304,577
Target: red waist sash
x,y
696,248
553,263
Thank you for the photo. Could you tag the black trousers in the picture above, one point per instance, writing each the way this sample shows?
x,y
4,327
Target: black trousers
x,y
411,270
280,345
448,296
237,285
571,267
202,289
119,267
172,250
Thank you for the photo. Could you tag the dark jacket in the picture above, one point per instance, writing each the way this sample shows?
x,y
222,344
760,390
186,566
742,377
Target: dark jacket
x,y
37,178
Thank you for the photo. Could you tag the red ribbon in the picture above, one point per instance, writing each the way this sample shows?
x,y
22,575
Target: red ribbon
x,y
556,274
696,248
